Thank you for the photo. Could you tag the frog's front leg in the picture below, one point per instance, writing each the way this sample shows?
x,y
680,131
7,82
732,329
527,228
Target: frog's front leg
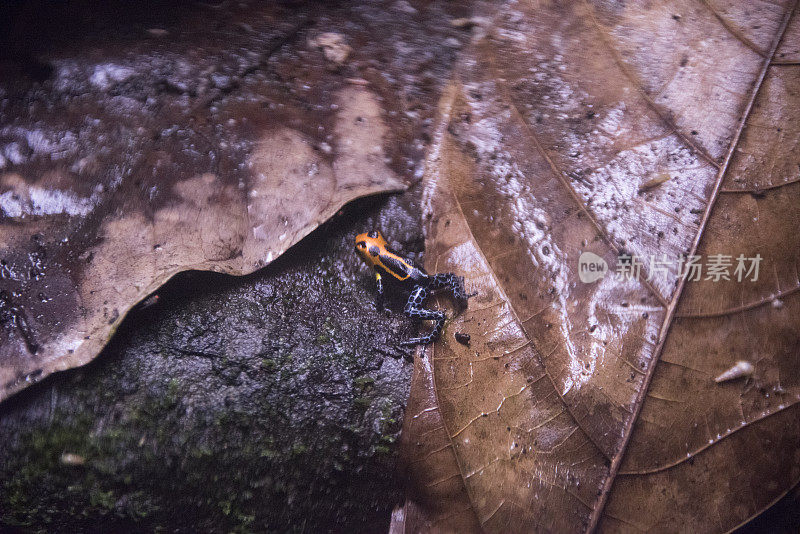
x,y
379,299
415,310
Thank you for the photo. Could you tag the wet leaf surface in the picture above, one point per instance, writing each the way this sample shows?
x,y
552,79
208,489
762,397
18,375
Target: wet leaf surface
x,y
651,130
154,144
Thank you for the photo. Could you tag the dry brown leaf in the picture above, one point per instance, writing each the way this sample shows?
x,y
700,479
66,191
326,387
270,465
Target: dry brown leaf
x,y
586,406
77,256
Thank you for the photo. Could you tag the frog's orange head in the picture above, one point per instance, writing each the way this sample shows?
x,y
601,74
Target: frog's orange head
x,y
369,245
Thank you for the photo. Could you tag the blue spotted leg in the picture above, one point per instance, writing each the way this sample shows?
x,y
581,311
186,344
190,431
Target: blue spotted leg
x,y
455,284
415,310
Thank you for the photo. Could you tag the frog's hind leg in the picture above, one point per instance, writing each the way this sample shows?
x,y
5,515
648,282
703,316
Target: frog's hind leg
x,y
455,284
415,310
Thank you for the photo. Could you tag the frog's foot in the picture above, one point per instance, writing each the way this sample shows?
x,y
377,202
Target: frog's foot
x,y
455,284
430,337
421,340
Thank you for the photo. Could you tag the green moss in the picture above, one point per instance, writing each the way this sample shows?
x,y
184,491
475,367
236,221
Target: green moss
x,y
323,338
35,476
328,331
268,453
115,434
299,449
201,451
101,499
363,381
362,403
173,388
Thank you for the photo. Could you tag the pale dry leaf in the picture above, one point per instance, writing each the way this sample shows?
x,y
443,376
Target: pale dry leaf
x,y
76,259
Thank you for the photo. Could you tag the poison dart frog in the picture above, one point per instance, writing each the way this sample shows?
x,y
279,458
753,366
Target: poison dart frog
x,y
389,266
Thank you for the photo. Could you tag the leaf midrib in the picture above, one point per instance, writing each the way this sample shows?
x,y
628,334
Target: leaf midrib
x,y
666,325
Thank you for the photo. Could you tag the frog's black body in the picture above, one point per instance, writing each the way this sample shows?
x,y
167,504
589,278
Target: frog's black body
x,y
374,249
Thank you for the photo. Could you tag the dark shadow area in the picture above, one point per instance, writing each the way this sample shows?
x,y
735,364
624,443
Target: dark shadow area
x,y
781,518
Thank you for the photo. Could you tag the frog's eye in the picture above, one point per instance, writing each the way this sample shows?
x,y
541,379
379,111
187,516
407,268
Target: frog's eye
x,y
361,244
373,234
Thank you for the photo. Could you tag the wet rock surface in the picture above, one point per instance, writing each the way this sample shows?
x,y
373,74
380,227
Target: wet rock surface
x,y
269,402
